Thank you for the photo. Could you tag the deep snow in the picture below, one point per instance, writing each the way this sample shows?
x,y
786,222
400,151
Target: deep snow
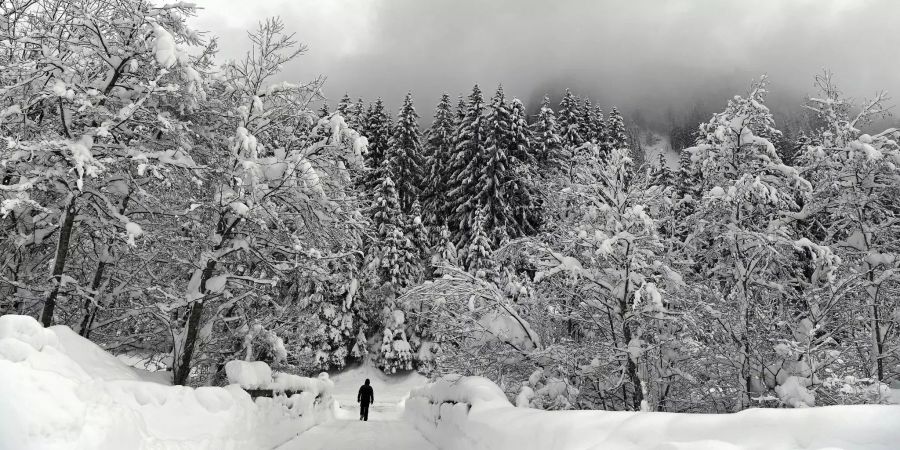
x,y
61,391
473,413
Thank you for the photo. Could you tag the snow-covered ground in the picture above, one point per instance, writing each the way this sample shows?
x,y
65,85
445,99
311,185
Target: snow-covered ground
x,y
473,413
61,391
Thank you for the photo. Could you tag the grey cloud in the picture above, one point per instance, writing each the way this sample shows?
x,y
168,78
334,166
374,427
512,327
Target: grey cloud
x,y
643,55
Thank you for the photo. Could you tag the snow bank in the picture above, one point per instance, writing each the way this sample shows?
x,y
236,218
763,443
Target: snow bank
x,y
60,391
472,413
258,375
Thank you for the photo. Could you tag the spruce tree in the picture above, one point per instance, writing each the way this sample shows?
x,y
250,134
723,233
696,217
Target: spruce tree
x,y
378,132
399,264
479,250
521,187
359,117
660,174
492,170
617,136
599,126
438,151
469,142
324,111
345,108
520,142
461,108
417,234
588,120
568,118
403,161
547,145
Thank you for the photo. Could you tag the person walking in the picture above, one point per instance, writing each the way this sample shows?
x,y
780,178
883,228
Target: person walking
x,y
365,397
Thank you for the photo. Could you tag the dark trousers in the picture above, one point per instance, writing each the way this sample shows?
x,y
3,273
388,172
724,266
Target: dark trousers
x,y
364,411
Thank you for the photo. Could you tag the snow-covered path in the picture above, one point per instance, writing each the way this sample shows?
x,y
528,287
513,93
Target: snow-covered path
x,y
354,435
385,428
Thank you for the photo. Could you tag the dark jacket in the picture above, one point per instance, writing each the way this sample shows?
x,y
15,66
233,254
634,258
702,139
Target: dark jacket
x,y
366,395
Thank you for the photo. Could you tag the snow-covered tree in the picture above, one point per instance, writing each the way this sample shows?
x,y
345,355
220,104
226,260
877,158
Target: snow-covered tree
x,y
612,246
278,203
378,130
403,160
741,245
93,119
856,183
615,135
438,152
546,142
469,140
345,108
568,118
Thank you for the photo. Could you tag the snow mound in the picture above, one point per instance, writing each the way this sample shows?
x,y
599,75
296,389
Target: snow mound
x,y
60,391
258,375
472,413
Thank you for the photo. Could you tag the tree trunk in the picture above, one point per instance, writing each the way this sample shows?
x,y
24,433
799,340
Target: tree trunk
x,y
90,307
631,371
183,368
59,264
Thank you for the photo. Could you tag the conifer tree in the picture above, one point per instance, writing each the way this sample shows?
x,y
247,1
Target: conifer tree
x,y
588,120
414,228
461,107
359,118
492,169
617,135
469,140
660,174
547,144
378,132
520,145
479,250
403,162
521,186
345,108
324,111
438,150
567,119
599,125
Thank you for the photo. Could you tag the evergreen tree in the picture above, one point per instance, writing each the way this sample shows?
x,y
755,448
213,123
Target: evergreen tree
x,y
417,234
660,175
617,135
469,140
588,120
438,151
323,111
461,108
479,250
359,118
492,170
547,145
599,126
521,186
378,132
520,145
345,108
403,161
568,119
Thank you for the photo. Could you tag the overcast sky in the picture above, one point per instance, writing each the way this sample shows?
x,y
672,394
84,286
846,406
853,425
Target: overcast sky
x,y
652,55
